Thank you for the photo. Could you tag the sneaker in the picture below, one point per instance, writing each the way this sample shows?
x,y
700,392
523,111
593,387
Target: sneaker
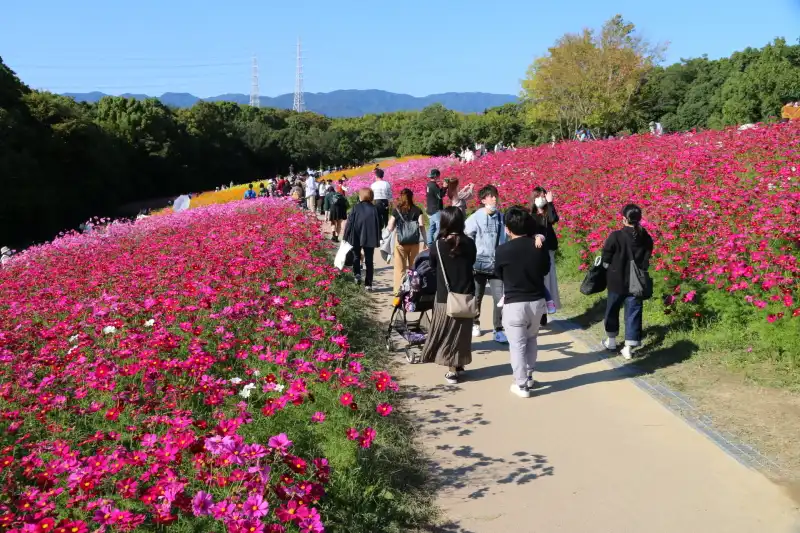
x,y
551,307
368,288
476,330
531,383
627,352
522,392
500,336
451,378
610,344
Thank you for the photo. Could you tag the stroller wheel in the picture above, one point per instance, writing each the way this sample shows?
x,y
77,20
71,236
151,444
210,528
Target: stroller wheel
x,y
412,356
389,345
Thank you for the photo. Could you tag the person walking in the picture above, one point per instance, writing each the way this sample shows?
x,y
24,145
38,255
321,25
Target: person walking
x,y
311,193
545,217
485,227
335,206
434,195
631,243
522,267
407,223
362,231
453,256
383,195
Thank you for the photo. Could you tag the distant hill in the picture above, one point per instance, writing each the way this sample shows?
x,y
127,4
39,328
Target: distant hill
x,y
345,103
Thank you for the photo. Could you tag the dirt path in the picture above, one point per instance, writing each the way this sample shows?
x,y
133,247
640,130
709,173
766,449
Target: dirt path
x,y
589,452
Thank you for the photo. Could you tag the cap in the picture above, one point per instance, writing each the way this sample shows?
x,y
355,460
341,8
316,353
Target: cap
x,y
5,250
434,173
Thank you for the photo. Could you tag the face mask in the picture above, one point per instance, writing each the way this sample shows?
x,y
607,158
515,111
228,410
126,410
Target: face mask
x,y
491,209
540,202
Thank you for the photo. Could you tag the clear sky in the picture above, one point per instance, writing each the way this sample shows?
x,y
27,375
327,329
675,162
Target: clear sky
x,y
417,47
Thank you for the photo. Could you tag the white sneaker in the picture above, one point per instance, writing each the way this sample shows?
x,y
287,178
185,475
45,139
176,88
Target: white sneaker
x,y
610,344
531,383
627,352
451,378
522,392
476,330
551,307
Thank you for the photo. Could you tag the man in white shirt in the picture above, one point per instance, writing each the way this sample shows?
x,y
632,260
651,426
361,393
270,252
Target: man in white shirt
x,y
311,193
383,194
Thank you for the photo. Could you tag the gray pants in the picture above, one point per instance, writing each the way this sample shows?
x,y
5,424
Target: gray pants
x,y
521,321
496,286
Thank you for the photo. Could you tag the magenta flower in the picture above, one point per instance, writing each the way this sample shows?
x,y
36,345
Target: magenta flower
x,y
279,442
202,503
256,506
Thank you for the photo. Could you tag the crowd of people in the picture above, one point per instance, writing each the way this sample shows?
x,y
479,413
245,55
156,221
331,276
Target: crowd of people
x,y
511,252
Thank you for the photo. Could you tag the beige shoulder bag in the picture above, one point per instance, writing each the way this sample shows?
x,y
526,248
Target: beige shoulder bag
x,y
458,305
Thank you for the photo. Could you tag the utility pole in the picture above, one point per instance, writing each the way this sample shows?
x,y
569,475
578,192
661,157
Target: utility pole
x,y
254,100
299,105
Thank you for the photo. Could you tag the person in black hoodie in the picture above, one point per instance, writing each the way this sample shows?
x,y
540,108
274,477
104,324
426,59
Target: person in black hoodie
x,y
630,242
362,231
522,267
545,217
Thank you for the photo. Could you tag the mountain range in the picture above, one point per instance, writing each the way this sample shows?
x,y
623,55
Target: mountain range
x,y
344,103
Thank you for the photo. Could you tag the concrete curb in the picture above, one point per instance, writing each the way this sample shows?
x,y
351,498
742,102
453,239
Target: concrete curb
x,y
679,404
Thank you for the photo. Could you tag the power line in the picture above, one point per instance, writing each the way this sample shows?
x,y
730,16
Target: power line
x,y
129,67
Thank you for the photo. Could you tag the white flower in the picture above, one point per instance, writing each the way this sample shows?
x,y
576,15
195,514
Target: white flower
x,y
245,392
108,330
279,387
256,373
74,338
72,349
149,323
236,381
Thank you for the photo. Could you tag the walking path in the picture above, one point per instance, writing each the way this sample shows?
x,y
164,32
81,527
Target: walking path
x,y
590,452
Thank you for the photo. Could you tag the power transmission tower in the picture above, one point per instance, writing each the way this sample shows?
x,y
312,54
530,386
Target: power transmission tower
x,y
254,100
299,104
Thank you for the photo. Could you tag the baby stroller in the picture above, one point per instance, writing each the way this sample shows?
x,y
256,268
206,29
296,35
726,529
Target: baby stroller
x,y
416,295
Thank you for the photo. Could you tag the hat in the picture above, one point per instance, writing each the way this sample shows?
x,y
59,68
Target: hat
x,y
434,173
4,250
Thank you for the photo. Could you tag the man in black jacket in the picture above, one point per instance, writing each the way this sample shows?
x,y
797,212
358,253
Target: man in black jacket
x,y
434,203
522,266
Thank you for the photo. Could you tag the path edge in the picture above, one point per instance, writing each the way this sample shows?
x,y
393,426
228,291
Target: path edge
x,y
679,404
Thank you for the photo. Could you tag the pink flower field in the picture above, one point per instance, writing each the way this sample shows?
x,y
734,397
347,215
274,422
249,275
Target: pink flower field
x,y
722,206
187,370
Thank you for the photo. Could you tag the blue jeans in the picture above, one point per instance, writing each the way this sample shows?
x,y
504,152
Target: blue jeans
x,y
433,227
633,317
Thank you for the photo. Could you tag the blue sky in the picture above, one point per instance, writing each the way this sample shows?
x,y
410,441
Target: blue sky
x,y
411,46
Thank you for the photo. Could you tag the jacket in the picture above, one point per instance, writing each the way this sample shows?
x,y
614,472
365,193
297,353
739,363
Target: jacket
x,y
363,226
617,257
483,229
543,225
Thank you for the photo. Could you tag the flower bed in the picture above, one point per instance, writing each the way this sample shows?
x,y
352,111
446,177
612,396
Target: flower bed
x,y
188,370
414,171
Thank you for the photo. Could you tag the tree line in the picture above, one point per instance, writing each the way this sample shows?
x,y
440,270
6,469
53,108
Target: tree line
x,y
62,161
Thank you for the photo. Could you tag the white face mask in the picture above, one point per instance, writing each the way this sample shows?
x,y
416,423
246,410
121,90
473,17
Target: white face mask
x,y
540,202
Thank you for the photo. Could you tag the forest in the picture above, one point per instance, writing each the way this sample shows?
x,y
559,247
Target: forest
x,y
62,162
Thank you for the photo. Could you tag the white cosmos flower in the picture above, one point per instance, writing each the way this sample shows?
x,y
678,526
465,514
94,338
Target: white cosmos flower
x,y
279,387
108,330
149,323
256,373
245,392
74,338
236,381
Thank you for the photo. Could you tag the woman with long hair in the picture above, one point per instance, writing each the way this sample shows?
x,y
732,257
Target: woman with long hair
x,y
545,217
409,227
631,243
362,231
453,254
459,197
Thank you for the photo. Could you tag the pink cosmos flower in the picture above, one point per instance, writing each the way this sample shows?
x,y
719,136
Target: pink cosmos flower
x,y
384,409
202,503
256,506
318,417
279,442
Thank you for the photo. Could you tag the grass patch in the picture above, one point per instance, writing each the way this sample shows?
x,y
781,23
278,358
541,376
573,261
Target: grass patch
x,y
382,489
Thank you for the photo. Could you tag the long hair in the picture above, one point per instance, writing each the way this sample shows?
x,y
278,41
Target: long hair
x,y
406,201
538,191
451,228
633,215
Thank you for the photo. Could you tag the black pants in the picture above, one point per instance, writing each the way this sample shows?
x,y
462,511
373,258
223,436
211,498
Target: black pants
x,y
383,212
369,254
